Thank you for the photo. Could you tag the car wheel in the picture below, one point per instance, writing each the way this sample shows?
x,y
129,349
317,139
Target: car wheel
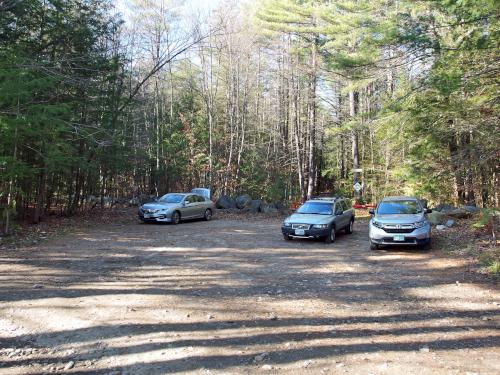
x,y
176,218
350,227
287,237
427,246
208,215
373,246
331,236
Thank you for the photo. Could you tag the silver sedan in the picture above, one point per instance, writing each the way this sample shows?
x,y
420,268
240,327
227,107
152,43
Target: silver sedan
x,y
174,207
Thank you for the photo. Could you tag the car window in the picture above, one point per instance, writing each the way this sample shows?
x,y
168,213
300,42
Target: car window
x,y
399,207
190,199
319,208
199,198
171,198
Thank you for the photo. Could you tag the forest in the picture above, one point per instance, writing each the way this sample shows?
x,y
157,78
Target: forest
x,y
280,99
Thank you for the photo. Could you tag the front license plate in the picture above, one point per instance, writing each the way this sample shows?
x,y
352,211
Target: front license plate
x,y
146,216
300,232
399,238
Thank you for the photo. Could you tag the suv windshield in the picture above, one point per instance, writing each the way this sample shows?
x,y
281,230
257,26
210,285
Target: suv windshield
x,y
171,198
315,208
398,207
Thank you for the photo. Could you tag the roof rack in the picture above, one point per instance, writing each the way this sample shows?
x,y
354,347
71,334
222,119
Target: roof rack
x,y
325,198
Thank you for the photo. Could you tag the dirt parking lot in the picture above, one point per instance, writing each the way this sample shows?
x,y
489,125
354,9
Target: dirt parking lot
x,y
232,297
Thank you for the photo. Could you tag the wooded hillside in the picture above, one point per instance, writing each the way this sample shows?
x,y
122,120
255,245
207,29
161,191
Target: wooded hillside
x,y
280,99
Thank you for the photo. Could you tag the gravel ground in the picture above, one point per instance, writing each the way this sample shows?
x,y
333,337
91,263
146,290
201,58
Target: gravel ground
x,y
232,297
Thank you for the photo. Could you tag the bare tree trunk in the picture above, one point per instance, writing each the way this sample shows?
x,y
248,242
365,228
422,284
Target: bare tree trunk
x,y
353,110
312,123
465,144
455,163
297,138
40,198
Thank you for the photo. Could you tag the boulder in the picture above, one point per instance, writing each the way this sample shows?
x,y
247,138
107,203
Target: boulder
x,y
444,208
458,213
440,227
436,218
280,206
255,206
134,202
450,223
108,201
243,201
225,202
268,208
144,198
471,209
91,199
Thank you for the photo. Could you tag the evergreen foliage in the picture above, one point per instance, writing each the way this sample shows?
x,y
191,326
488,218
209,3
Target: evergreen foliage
x,y
281,99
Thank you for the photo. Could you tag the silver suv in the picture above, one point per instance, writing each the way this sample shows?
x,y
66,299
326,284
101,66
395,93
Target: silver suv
x,y
399,221
319,218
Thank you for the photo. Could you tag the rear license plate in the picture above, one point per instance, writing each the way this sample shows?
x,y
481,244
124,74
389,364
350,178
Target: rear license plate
x,y
300,232
399,238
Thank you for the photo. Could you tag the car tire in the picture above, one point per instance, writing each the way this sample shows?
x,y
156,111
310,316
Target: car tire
x,y
208,214
331,236
176,217
350,227
374,246
286,237
427,246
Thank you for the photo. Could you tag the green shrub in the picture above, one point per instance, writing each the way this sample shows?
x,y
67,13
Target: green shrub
x,y
490,260
488,219
494,268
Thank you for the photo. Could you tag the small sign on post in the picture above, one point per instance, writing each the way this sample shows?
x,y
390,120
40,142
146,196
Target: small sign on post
x,y
357,186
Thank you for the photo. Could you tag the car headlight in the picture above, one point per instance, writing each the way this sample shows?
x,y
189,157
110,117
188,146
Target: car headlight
x,y
419,224
285,224
377,224
320,226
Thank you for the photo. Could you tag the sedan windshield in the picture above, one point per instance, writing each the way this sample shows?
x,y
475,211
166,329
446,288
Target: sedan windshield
x,y
398,207
315,208
171,198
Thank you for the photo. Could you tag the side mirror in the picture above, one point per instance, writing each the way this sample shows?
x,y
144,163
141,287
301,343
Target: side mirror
x,y
371,211
339,212
428,210
184,204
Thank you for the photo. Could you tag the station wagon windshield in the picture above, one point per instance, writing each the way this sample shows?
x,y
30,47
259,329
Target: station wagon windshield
x,y
315,208
172,198
398,207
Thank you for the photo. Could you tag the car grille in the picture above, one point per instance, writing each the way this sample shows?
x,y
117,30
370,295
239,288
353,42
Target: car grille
x,y
398,228
148,211
301,226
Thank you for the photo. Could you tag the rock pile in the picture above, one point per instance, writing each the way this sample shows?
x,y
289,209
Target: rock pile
x,y
245,203
443,214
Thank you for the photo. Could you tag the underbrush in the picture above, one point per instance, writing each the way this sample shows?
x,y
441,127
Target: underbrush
x,y
490,261
474,239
